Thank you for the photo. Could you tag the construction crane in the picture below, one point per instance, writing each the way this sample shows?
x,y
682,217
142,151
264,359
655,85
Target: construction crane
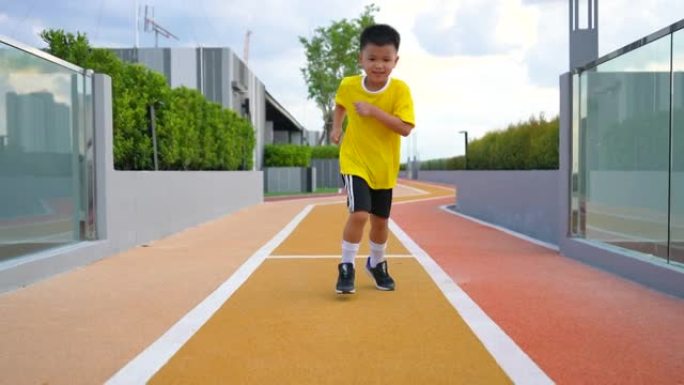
x,y
152,26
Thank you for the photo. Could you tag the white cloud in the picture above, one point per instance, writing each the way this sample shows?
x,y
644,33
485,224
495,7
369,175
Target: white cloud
x,y
548,57
475,27
475,65
546,1
623,22
467,30
473,94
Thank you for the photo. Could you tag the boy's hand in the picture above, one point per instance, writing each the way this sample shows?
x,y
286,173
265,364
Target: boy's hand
x,y
335,134
364,109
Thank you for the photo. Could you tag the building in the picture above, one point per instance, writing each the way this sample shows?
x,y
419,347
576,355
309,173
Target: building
x,y
224,78
37,124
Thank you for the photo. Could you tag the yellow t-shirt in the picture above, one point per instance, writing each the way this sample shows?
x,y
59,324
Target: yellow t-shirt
x,y
370,149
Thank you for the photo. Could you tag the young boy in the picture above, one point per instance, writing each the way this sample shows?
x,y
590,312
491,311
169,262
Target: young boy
x,y
379,110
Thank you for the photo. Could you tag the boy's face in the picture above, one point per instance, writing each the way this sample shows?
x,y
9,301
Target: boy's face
x,y
378,61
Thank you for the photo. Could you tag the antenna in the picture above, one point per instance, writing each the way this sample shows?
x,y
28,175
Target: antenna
x,y
245,54
152,26
137,24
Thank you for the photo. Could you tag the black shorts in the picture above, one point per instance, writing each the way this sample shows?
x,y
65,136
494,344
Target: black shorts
x,y
360,197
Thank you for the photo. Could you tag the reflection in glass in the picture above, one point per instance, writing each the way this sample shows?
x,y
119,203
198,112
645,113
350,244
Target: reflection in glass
x,y
40,156
677,178
575,168
624,150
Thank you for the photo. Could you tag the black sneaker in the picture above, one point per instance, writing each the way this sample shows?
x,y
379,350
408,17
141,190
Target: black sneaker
x,y
345,281
380,276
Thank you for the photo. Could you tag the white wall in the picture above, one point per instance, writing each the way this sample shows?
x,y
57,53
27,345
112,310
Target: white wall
x,y
144,206
135,207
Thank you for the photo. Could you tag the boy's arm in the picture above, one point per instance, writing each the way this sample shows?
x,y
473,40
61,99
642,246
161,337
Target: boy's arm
x,y
338,118
390,121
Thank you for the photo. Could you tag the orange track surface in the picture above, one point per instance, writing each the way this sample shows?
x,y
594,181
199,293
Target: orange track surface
x,y
579,324
286,325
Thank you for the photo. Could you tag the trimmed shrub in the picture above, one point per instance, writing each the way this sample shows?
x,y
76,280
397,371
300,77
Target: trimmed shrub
x,y
287,155
192,133
453,163
325,152
530,145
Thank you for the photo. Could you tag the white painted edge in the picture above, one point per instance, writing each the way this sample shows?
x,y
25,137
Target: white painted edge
x,y
141,369
514,361
48,253
432,185
414,189
414,200
524,237
332,256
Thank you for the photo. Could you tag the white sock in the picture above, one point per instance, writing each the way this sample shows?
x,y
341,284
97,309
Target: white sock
x,y
349,251
377,253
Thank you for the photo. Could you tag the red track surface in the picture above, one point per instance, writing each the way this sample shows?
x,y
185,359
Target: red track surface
x,y
579,324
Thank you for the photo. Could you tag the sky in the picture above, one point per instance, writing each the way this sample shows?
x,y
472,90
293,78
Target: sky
x,y
472,65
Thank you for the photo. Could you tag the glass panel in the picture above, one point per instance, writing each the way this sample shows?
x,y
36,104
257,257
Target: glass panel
x,y
88,165
581,157
40,181
677,181
624,153
575,167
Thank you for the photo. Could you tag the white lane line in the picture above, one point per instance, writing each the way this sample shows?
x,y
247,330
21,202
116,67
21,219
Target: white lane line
x,y
420,200
414,189
503,229
141,369
514,361
331,256
437,186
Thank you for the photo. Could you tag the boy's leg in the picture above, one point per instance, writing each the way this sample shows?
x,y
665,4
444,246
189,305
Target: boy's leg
x,y
378,239
353,229
376,264
358,203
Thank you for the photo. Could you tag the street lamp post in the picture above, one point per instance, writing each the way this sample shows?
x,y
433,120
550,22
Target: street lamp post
x,y
465,163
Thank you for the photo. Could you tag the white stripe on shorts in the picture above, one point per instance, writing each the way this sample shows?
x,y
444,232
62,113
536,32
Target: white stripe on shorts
x,y
350,192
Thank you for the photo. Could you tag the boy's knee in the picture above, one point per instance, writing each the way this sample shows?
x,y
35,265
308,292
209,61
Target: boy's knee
x,y
359,217
379,221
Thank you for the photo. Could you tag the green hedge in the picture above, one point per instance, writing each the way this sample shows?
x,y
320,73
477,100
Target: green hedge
x,y
453,163
290,155
221,139
530,145
192,133
325,152
287,155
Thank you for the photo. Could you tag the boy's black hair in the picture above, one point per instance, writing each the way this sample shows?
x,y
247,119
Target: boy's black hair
x,y
380,34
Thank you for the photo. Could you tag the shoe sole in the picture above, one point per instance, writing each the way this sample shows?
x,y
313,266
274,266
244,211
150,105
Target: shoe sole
x,y
376,283
345,291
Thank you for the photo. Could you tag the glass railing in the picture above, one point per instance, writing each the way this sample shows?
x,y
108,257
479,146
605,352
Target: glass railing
x,y
628,148
46,152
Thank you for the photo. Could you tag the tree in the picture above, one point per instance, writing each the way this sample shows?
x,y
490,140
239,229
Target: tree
x,y
331,54
74,49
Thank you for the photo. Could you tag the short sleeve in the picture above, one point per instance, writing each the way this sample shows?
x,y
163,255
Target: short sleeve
x,y
403,107
340,96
